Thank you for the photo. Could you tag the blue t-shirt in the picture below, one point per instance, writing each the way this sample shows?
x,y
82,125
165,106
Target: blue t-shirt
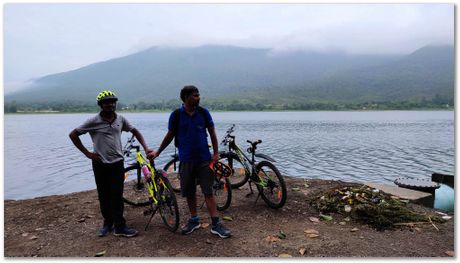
x,y
192,135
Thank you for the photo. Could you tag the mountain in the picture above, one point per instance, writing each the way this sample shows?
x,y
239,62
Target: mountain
x,y
426,73
228,72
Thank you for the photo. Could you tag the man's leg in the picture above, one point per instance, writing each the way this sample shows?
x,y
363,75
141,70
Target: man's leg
x,y
101,177
188,190
191,202
116,194
117,205
211,205
206,177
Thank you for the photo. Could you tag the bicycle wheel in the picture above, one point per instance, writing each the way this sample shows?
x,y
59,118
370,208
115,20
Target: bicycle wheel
x,y
239,176
173,173
270,184
135,191
169,210
222,193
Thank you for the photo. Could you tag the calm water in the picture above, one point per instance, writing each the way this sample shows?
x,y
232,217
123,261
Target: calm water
x,y
41,160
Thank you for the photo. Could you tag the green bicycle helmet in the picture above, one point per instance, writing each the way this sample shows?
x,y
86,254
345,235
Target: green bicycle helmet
x,y
105,95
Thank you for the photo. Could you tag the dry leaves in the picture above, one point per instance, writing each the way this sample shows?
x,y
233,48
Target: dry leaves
x,y
314,219
311,233
450,253
100,254
302,251
204,225
284,255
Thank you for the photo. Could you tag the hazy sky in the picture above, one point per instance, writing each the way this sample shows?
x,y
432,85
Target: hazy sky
x,y
42,39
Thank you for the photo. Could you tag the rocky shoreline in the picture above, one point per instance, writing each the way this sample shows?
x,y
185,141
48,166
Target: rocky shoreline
x,y
66,225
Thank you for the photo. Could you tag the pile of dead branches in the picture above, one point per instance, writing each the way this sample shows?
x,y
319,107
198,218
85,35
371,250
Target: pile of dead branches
x,y
369,206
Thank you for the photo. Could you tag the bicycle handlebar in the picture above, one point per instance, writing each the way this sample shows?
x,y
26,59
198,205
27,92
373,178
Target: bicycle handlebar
x,y
229,136
130,145
231,129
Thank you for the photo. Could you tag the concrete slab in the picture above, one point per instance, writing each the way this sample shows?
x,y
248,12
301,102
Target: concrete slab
x,y
403,193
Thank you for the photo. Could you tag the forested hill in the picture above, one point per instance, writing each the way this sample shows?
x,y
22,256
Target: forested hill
x,y
227,74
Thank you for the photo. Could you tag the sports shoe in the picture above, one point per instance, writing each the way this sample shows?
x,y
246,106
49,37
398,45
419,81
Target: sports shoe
x,y
220,230
104,230
191,226
125,232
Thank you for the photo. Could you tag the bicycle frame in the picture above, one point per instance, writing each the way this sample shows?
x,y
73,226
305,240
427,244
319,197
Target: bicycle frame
x,y
141,160
245,160
249,164
151,185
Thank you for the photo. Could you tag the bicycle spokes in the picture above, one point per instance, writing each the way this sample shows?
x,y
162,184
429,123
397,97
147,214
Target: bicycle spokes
x,y
269,186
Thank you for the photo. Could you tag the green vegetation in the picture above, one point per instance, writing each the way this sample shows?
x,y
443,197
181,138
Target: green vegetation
x,y
234,105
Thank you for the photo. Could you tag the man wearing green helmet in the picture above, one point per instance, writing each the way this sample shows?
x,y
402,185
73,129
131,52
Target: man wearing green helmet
x,y
107,160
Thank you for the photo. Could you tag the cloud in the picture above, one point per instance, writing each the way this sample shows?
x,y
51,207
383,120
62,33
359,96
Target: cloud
x,y
42,39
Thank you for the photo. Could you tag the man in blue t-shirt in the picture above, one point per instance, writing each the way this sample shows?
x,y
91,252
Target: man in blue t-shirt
x,y
189,127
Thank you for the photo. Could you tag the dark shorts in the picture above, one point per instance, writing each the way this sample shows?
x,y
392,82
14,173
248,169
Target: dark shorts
x,y
190,173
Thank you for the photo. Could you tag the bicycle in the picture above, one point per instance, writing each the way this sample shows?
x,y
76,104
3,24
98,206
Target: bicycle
x,y
222,189
264,174
145,185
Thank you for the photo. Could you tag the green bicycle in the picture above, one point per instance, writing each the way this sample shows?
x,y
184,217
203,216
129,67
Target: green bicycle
x,y
264,174
145,185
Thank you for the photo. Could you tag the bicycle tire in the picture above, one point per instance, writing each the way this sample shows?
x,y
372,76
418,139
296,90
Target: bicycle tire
x,y
222,191
135,191
169,210
239,176
173,174
270,184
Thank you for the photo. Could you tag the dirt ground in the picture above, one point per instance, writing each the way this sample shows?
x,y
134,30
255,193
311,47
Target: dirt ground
x,y
66,226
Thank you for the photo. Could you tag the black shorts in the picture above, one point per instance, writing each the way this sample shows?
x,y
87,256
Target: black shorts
x,y
190,172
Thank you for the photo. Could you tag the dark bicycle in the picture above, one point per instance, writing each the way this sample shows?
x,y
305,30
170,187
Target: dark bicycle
x,y
264,174
221,187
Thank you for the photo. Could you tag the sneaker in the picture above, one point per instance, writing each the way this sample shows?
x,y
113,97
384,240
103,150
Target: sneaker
x,y
220,230
191,226
103,231
126,232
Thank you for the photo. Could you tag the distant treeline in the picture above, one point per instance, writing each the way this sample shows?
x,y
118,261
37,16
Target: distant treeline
x,y
72,106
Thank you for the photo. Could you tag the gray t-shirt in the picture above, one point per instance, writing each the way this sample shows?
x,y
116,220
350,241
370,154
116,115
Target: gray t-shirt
x,y
106,136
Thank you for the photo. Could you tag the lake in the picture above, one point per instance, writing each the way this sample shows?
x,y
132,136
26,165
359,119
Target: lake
x,y
379,146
